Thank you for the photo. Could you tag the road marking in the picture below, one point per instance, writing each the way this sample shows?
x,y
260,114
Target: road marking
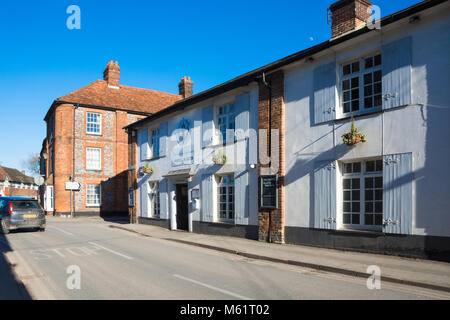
x,y
112,251
213,288
61,230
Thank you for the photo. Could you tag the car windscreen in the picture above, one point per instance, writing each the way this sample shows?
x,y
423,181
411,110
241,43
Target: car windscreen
x,y
25,204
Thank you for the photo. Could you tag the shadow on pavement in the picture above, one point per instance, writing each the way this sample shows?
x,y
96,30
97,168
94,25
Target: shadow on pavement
x,y
115,219
10,287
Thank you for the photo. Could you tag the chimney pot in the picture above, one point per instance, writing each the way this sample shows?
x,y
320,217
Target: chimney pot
x,y
186,87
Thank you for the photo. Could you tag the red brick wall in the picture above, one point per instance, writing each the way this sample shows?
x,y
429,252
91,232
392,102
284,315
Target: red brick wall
x,y
113,176
276,81
132,174
17,192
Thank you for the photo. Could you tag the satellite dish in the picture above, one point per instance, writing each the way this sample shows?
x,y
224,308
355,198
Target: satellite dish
x,y
39,180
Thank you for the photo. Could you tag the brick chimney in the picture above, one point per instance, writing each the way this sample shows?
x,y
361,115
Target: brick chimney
x,y
112,74
186,87
348,15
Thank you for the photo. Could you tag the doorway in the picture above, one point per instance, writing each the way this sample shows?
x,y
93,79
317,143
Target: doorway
x,y
182,207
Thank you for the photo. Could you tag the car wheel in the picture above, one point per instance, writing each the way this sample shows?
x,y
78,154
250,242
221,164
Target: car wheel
x,y
4,227
41,229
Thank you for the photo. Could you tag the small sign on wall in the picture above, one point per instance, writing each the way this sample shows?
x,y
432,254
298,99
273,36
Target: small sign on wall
x,y
269,192
74,186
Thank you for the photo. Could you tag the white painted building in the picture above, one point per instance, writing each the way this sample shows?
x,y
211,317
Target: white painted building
x,y
187,190
390,194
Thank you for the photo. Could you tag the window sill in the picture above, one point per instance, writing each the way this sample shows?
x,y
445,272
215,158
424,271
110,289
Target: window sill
x,y
153,158
94,134
364,231
359,114
93,205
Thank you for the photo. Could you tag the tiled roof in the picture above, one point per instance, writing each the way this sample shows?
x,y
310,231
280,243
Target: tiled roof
x,y
98,93
14,175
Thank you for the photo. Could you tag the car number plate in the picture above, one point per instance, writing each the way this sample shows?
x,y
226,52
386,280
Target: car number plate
x,y
29,216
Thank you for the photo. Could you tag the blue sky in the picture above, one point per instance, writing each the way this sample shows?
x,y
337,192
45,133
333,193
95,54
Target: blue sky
x,y
155,42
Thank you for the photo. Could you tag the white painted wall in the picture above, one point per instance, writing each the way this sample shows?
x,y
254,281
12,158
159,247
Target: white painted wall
x,y
165,164
422,128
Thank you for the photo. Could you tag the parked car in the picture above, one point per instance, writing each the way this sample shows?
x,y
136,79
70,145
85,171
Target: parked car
x,y
21,213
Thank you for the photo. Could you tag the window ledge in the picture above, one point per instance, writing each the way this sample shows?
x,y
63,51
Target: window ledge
x,y
359,114
361,231
94,134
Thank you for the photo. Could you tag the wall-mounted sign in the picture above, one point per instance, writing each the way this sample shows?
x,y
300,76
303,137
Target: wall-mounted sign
x,y
195,194
39,180
74,186
269,192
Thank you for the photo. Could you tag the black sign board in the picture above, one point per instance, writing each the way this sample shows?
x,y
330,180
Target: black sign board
x,y
269,192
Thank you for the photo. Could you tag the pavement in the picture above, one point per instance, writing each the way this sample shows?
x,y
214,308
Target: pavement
x,y
416,272
90,259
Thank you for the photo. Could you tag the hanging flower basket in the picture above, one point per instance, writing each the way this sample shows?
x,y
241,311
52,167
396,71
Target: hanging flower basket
x,y
145,170
220,158
354,136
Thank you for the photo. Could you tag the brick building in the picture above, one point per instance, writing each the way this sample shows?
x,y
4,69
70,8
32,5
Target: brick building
x,y
86,143
15,183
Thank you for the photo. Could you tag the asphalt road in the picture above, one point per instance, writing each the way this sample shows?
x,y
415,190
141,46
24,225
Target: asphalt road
x,y
115,264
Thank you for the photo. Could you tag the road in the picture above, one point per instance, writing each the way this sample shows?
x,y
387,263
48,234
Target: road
x,y
115,264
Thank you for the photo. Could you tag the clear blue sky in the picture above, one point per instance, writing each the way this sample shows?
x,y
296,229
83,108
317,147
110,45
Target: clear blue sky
x,y
155,42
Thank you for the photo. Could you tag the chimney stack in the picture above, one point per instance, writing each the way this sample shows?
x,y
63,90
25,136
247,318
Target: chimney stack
x,y
186,87
112,74
348,15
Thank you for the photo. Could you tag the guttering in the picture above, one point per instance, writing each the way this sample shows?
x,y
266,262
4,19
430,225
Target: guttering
x,y
59,102
251,76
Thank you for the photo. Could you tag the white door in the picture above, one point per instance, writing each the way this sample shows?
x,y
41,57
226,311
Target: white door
x,y
49,202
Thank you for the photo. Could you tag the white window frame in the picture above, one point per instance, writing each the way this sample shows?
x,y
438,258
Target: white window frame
x,y
220,185
154,198
92,204
99,133
89,162
153,140
360,74
362,201
229,115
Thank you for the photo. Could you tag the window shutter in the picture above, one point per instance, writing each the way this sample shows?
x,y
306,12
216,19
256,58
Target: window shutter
x,y
143,143
325,195
241,197
144,199
325,93
207,126
242,106
163,198
162,139
396,57
397,193
207,198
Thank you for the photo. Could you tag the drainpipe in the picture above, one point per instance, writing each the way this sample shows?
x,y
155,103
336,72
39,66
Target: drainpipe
x,y
72,178
269,86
